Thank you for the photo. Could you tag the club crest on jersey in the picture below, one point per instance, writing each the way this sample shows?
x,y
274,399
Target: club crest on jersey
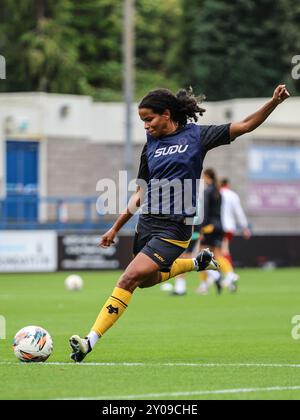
x,y
171,150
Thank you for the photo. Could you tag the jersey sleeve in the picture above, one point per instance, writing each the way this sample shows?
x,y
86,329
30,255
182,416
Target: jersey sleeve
x,y
143,173
215,135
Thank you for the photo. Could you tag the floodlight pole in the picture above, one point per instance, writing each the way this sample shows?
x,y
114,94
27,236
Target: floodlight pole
x,y
128,52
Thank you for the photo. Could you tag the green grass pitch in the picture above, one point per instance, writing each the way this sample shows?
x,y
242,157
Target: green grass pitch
x,y
164,347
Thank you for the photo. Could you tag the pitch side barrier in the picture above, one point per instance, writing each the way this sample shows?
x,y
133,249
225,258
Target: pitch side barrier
x,y
29,212
261,251
78,250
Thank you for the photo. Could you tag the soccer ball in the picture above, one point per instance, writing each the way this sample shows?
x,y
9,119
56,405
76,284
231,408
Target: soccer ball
x,y
166,287
32,344
74,282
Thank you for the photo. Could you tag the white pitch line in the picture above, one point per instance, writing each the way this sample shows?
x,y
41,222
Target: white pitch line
x,y
189,394
178,364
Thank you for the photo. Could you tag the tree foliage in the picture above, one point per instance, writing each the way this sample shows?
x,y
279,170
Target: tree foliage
x,y
237,49
290,34
223,49
40,46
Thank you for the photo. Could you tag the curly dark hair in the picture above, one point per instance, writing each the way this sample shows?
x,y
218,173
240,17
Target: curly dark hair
x,y
183,106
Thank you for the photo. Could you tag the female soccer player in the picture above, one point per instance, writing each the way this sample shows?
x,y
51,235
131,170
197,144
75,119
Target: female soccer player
x,y
173,154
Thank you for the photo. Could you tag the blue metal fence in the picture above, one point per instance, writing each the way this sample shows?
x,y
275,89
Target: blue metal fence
x,y
59,208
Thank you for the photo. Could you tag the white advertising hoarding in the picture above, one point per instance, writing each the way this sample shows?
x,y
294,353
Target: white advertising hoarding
x,y
28,251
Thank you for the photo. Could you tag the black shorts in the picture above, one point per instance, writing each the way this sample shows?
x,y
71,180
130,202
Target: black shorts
x,y
191,246
162,240
212,240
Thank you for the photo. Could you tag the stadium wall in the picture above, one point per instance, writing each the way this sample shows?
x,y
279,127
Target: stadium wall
x,y
50,251
82,142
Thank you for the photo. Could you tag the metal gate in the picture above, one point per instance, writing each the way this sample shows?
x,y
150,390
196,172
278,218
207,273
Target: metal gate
x,y
21,181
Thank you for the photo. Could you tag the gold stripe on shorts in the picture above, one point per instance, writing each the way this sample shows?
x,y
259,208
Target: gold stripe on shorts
x,y
181,244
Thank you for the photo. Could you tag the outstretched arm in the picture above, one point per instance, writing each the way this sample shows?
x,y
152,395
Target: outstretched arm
x,y
134,203
256,119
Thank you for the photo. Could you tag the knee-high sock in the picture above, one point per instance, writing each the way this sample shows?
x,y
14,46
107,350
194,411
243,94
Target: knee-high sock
x,y
180,285
229,258
225,266
112,310
203,276
179,266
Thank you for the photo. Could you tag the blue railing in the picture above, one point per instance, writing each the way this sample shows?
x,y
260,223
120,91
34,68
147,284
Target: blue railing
x,y
53,213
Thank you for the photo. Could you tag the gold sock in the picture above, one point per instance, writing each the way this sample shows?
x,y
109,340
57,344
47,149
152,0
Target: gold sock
x,y
112,310
225,266
203,276
179,266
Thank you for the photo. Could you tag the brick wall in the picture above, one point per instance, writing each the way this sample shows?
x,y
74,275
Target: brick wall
x,y
75,166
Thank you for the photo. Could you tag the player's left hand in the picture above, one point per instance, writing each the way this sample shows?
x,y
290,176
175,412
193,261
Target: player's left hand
x,y
246,233
281,94
108,239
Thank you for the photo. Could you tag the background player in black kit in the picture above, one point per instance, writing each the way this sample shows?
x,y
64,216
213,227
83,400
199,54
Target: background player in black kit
x,y
211,229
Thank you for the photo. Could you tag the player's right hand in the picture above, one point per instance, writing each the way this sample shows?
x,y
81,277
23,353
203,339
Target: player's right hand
x,y
281,94
108,238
